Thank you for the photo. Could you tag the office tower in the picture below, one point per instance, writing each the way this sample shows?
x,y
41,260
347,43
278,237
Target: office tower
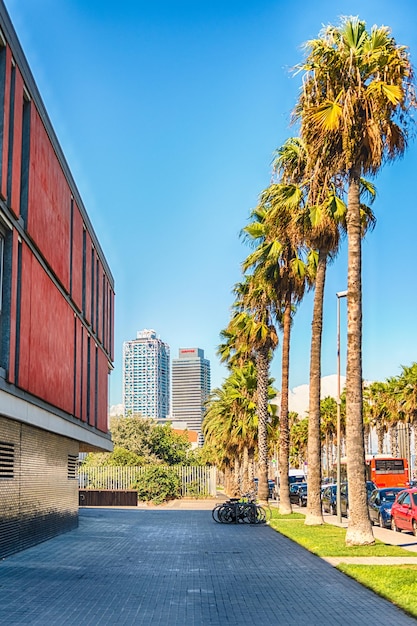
x,y
146,376
190,387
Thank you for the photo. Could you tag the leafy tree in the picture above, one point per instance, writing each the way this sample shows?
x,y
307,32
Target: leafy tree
x,y
141,441
171,447
119,457
132,433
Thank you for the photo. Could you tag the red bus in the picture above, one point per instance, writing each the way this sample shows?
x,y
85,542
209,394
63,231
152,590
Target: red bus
x,y
387,471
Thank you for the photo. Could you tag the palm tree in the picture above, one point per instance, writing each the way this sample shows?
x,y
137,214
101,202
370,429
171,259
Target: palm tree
x,y
278,265
328,427
354,114
408,397
251,332
319,227
230,424
298,439
376,405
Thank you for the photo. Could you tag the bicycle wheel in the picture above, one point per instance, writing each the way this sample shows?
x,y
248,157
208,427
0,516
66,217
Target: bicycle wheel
x,y
246,513
260,515
268,513
215,513
240,512
227,514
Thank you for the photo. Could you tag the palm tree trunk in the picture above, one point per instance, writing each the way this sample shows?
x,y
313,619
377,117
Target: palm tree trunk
x,y
380,432
314,512
245,470
284,435
262,368
393,434
359,531
236,476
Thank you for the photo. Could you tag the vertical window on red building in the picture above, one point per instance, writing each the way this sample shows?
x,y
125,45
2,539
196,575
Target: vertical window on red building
x,y
11,135
84,286
5,291
92,317
24,170
2,93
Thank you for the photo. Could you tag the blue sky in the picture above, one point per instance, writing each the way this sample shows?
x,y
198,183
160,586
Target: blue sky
x,y
168,113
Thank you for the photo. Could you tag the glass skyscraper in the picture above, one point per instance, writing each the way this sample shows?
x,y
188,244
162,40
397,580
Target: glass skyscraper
x,y
190,387
146,376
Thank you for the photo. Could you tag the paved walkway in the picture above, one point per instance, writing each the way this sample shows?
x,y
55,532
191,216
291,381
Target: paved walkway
x,y
178,568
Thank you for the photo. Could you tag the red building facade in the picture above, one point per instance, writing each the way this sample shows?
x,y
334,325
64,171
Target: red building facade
x,y
56,317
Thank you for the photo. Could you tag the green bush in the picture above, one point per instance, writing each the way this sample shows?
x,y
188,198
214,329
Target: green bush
x,y
193,490
158,484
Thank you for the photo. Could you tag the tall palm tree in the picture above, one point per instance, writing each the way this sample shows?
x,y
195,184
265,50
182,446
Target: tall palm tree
x,y
278,265
319,227
251,331
354,114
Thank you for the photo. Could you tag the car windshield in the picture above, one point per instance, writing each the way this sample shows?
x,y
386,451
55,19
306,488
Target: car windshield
x,y
388,496
414,496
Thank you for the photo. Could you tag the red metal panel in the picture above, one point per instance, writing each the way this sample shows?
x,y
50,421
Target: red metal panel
x,y
49,202
93,349
13,307
77,257
6,110
48,329
102,395
14,201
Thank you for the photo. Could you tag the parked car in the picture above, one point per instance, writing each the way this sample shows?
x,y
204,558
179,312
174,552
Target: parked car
x,y
328,499
344,496
294,492
380,503
404,511
272,488
302,495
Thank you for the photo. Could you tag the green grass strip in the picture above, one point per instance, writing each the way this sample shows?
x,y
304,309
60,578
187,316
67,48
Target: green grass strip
x,y
396,583
329,540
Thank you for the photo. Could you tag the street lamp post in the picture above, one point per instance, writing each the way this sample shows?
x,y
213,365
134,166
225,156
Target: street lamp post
x,y
339,294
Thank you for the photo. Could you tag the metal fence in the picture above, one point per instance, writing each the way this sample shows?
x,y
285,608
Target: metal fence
x,y
196,481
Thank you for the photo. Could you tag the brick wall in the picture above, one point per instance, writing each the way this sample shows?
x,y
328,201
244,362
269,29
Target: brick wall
x,y
38,499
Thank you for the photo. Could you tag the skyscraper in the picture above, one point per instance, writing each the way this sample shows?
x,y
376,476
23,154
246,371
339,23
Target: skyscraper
x,y
146,375
190,387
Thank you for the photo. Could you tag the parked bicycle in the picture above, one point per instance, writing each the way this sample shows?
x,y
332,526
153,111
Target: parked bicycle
x,y
243,510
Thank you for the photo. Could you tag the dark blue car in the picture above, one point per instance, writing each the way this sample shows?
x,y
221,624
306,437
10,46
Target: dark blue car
x,y
328,499
380,503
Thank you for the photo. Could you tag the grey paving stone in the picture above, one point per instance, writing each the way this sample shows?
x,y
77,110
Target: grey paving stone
x,y
177,567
